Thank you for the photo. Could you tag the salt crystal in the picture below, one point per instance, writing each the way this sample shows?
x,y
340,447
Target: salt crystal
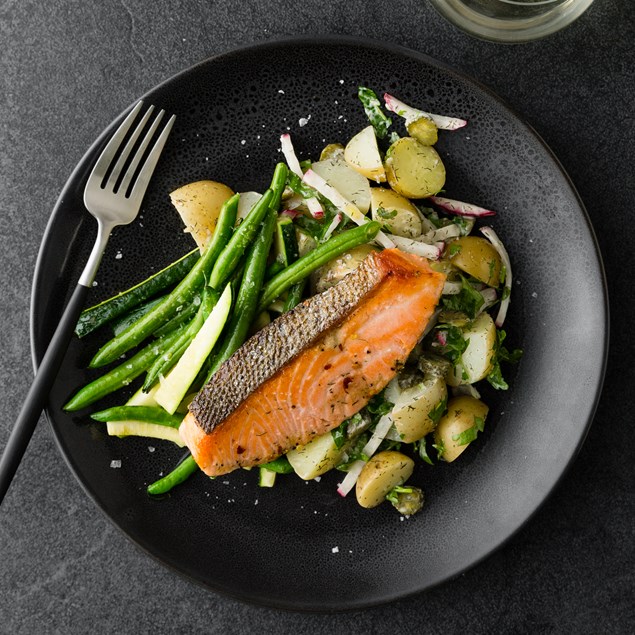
x,y
243,142
281,91
303,121
151,448
335,550
115,464
118,256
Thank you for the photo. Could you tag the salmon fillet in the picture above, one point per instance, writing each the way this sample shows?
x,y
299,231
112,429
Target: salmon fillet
x,y
313,367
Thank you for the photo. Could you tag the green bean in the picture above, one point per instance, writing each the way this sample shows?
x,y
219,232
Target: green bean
x,y
186,314
247,299
239,242
149,414
322,254
180,296
180,473
280,465
246,232
170,357
278,183
122,323
294,297
94,317
122,375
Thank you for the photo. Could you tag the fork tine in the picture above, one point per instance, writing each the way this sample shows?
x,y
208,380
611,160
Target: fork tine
x,y
105,158
123,157
136,160
141,184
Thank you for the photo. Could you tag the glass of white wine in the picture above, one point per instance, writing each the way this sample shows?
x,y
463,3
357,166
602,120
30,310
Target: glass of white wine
x,y
511,20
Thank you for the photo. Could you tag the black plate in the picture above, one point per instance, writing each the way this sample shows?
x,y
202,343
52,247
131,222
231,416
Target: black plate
x,y
300,545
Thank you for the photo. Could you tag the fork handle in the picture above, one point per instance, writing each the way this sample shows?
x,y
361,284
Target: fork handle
x,y
39,392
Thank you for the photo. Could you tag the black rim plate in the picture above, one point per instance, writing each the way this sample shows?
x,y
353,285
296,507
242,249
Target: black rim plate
x,y
299,545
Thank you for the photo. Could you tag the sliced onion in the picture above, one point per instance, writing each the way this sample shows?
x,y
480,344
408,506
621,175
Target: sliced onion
x,y
343,204
433,252
490,234
461,208
381,430
411,114
337,219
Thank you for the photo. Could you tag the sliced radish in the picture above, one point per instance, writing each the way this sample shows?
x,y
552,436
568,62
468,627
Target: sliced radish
x,y
344,205
460,208
294,165
490,234
412,114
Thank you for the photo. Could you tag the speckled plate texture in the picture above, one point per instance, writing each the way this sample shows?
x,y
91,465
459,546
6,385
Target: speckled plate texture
x,y
300,545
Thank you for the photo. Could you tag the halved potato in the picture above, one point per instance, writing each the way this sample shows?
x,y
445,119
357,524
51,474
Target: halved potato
x,y
315,458
478,258
199,205
414,170
476,360
383,472
459,426
348,182
332,272
362,154
396,212
414,405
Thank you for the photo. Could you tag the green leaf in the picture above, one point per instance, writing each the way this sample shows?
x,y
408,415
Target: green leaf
x,y
467,301
501,353
374,112
437,412
422,450
455,343
469,435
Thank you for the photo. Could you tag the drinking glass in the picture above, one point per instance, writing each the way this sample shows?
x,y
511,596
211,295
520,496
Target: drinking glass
x,y
511,20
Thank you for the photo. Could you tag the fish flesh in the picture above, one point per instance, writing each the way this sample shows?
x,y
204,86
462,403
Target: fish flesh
x,y
313,367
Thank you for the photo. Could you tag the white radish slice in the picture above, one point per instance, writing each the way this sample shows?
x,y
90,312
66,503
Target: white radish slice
x,y
460,208
294,165
412,114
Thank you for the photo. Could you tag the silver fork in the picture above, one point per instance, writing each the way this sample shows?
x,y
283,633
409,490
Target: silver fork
x,y
113,195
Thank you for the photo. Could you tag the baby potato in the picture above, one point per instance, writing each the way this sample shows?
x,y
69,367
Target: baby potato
x,y
477,257
315,458
413,406
424,130
476,360
332,150
383,472
399,214
347,181
362,154
414,170
332,272
199,205
460,425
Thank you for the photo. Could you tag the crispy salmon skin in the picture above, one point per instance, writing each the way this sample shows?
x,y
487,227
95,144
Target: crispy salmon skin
x,y
313,367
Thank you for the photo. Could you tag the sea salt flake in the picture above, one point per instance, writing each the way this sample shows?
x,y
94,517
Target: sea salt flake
x,y
335,550
116,463
118,256
303,121
281,91
151,448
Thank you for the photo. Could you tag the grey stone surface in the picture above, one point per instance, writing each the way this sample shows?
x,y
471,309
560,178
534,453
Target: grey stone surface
x,y
66,70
